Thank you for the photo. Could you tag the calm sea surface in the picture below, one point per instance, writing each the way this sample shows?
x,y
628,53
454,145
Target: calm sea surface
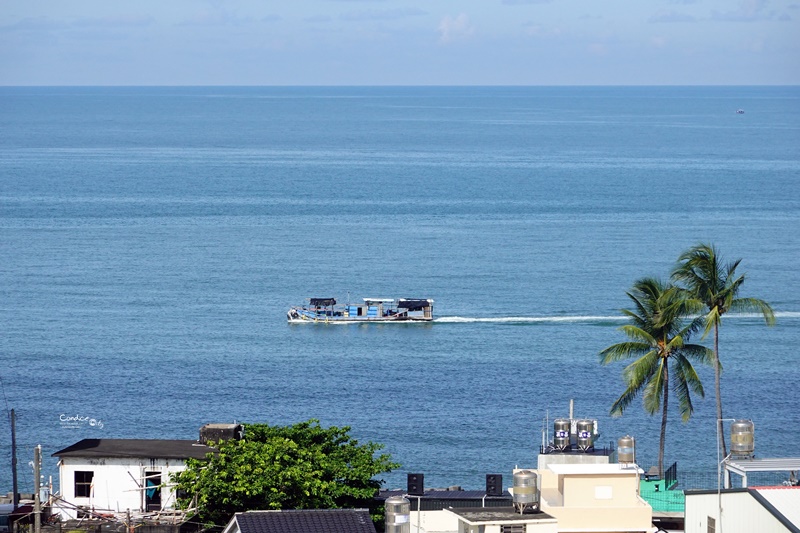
x,y
152,239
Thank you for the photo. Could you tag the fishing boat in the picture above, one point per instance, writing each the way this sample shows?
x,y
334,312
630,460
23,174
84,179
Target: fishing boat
x,y
326,310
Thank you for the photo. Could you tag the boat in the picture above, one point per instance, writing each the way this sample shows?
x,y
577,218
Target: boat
x,y
740,111
326,310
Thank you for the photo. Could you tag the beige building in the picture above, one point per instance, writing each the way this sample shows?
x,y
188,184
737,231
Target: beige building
x,y
589,498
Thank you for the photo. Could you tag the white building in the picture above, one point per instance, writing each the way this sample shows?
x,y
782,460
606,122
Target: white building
x,y
117,476
585,497
761,509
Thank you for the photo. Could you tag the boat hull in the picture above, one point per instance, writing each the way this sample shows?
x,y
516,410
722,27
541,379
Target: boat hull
x,y
305,318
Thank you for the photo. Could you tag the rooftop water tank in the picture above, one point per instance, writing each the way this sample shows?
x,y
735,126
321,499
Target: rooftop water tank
x,y
742,438
561,428
526,491
626,449
398,514
220,432
585,434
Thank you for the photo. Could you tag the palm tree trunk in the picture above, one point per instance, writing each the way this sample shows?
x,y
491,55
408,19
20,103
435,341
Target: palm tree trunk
x,y
719,392
663,440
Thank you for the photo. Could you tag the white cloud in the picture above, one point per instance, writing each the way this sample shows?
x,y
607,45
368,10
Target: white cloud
x,y
747,11
537,30
116,21
36,24
671,16
385,14
658,42
318,18
206,17
598,49
755,45
451,29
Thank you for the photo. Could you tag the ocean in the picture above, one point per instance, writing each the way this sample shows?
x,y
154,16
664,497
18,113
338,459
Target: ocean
x,y
152,240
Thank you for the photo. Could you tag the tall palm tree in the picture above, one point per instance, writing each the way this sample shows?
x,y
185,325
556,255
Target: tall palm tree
x,y
658,340
716,285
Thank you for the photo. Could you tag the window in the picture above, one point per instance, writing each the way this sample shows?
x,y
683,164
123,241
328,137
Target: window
x,y
83,484
512,528
712,525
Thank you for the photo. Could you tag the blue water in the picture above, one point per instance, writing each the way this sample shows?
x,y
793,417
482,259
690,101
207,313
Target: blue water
x,y
152,239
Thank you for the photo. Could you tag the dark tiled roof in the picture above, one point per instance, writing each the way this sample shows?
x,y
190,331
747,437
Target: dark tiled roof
x,y
147,448
306,521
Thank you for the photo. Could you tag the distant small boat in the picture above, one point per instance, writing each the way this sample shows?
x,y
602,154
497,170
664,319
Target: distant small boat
x,y
326,310
740,111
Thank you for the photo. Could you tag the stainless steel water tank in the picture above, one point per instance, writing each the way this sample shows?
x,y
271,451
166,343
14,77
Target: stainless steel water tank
x,y
585,433
626,449
561,427
526,490
742,438
398,514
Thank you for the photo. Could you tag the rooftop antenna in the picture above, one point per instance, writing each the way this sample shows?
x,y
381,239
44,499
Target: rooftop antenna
x,y
14,487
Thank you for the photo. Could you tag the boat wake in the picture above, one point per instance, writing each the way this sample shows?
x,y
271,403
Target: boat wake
x,y
584,319
530,319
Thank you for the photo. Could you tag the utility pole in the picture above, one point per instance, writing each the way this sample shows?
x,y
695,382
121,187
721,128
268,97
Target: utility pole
x,y
14,487
37,503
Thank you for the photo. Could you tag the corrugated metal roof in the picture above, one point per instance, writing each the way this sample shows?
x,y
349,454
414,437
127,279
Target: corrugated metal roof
x,y
742,466
785,499
136,448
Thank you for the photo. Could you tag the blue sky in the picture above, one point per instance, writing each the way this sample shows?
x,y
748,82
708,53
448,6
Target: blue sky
x,y
399,42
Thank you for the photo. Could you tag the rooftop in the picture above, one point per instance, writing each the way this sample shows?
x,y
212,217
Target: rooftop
x,y
478,515
305,521
136,448
595,468
742,466
785,500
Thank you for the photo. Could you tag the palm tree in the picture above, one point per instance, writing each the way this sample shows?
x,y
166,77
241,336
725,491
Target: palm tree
x,y
658,336
716,285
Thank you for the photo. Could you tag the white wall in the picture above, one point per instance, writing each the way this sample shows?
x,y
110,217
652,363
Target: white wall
x,y
116,483
741,513
433,522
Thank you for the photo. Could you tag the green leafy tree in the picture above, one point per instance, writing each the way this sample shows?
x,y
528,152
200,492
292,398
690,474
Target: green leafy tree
x,y
303,466
707,279
662,357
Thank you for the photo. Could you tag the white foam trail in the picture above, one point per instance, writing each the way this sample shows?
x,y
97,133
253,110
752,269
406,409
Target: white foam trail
x,y
581,319
530,319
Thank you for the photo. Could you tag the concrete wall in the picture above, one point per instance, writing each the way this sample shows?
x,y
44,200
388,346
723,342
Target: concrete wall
x,y
546,459
741,513
496,528
600,491
433,522
115,484
594,501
